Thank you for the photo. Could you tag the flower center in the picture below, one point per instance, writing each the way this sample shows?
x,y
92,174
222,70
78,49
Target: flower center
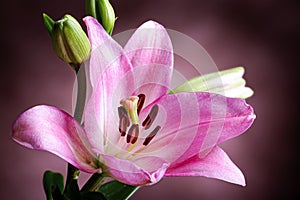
x,y
129,114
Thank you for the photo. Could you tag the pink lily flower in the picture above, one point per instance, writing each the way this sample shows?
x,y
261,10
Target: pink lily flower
x,y
133,130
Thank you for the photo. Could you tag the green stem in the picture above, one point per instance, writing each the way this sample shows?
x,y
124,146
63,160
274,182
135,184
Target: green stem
x,y
72,189
81,94
94,183
73,172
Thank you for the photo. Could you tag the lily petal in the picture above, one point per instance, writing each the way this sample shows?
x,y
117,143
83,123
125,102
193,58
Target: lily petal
x,y
111,76
101,112
151,54
195,122
106,53
51,129
216,164
135,172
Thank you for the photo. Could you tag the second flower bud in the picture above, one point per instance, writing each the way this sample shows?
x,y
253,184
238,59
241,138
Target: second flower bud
x,y
69,41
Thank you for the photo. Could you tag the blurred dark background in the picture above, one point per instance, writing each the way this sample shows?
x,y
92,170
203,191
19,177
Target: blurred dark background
x,y
263,36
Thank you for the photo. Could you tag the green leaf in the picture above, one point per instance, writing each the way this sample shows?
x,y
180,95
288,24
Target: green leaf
x,y
72,190
115,190
92,196
53,185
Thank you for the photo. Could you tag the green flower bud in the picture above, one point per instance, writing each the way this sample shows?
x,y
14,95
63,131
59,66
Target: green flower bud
x,y
69,41
103,11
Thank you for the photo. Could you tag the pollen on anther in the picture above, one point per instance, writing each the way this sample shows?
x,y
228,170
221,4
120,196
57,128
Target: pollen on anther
x,y
123,124
122,111
151,117
151,136
140,103
124,120
133,134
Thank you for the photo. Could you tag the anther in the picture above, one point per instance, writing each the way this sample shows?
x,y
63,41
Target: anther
x,y
123,124
151,136
140,103
124,120
122,112
133,134
150,118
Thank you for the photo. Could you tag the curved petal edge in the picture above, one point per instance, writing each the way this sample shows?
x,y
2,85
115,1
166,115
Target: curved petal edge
x,y
51,129
216,164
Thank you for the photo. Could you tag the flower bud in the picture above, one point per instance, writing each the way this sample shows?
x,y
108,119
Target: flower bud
x,y
69,41
103,11
229,83
49,23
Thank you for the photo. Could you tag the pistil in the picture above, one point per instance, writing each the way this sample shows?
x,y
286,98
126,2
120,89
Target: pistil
x,y
131,105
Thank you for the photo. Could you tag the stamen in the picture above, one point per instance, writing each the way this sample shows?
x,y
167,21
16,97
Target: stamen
x,y
133,134
124,120
123,124
150,118
151,136
122,112
140,103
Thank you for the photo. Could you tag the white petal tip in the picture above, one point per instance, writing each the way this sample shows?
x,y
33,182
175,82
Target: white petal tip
x,y
151,24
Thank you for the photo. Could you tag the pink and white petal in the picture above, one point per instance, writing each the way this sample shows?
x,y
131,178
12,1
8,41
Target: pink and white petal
x,y
216,164
151,54
154,165
106,53
111,79
230,117
101,112
51,129
193,123
175,115
94,121
96,33
131,173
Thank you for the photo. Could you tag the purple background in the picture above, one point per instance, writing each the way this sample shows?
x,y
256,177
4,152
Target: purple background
x,y
259,36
